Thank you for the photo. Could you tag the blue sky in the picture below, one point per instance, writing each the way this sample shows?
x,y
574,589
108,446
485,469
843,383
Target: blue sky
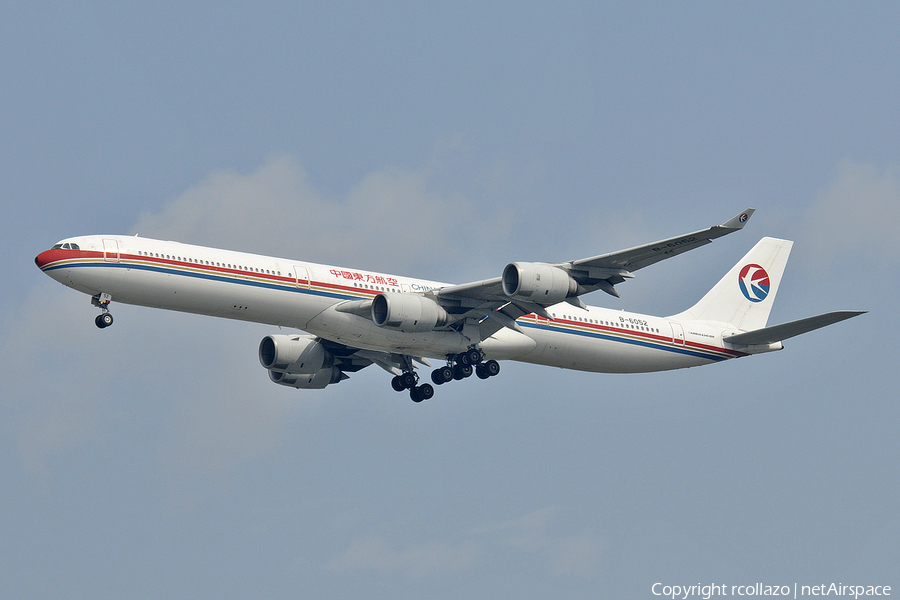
x,y
155,458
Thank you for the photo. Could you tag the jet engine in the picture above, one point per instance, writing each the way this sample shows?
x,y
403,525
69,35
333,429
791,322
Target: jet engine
x,y
537,282
407,312
295,354
298,361
314,381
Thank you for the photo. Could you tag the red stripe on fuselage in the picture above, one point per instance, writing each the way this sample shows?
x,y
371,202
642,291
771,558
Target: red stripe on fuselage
x,y
635,333
59,255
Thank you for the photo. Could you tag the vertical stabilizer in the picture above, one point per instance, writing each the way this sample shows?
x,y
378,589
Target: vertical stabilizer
x,y
743,298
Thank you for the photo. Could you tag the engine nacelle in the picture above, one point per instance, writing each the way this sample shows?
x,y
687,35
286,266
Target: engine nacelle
x,y
537,282
294,354
407,312
314,381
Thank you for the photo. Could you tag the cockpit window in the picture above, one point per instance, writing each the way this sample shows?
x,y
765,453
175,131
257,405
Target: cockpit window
x,y
66,246
56,246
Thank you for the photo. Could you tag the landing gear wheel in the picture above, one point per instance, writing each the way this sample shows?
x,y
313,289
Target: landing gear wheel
x,y
421,392
471,357
461,371
104,320
442,375
404,381
409,380
487,369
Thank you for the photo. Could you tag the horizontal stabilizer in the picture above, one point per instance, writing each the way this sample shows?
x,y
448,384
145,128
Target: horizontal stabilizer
x,y
779,333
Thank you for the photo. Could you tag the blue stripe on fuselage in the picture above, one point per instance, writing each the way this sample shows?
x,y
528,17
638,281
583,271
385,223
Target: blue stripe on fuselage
x,y
285,287
626,340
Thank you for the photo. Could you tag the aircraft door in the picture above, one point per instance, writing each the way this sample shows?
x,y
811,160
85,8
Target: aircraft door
x,y
677,334
301,277
111,250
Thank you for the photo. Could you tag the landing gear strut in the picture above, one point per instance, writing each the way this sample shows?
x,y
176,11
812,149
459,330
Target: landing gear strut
x,y
101,301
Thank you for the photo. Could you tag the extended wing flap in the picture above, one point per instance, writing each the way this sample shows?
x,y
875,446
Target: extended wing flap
x,y
779,333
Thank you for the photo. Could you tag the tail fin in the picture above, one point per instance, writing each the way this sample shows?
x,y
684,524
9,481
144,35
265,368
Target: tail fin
x,y
743,298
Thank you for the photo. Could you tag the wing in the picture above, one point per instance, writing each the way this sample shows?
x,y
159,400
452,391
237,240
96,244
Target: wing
x,y
615,267
531,287
349,359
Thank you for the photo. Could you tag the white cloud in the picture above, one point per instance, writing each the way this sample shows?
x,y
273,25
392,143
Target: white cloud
x,y
52,377
221,411
537,533
267,209
535,538
527,533
394,218
66,384
415,560
579,554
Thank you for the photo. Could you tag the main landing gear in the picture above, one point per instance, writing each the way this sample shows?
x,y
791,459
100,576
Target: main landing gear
x,y
409,381
104,319
458,368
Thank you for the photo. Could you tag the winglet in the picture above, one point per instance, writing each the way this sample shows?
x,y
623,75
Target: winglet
x,y
740,220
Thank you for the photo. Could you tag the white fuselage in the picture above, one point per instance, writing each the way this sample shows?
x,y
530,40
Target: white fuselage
x,y
306,296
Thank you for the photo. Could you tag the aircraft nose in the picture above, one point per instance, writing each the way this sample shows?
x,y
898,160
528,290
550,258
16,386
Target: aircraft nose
x,y
42,259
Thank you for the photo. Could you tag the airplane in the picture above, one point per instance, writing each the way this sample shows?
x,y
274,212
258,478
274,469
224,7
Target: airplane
x,y
348,319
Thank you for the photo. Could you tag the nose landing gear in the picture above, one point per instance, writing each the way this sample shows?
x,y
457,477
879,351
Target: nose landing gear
x,y
101,301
